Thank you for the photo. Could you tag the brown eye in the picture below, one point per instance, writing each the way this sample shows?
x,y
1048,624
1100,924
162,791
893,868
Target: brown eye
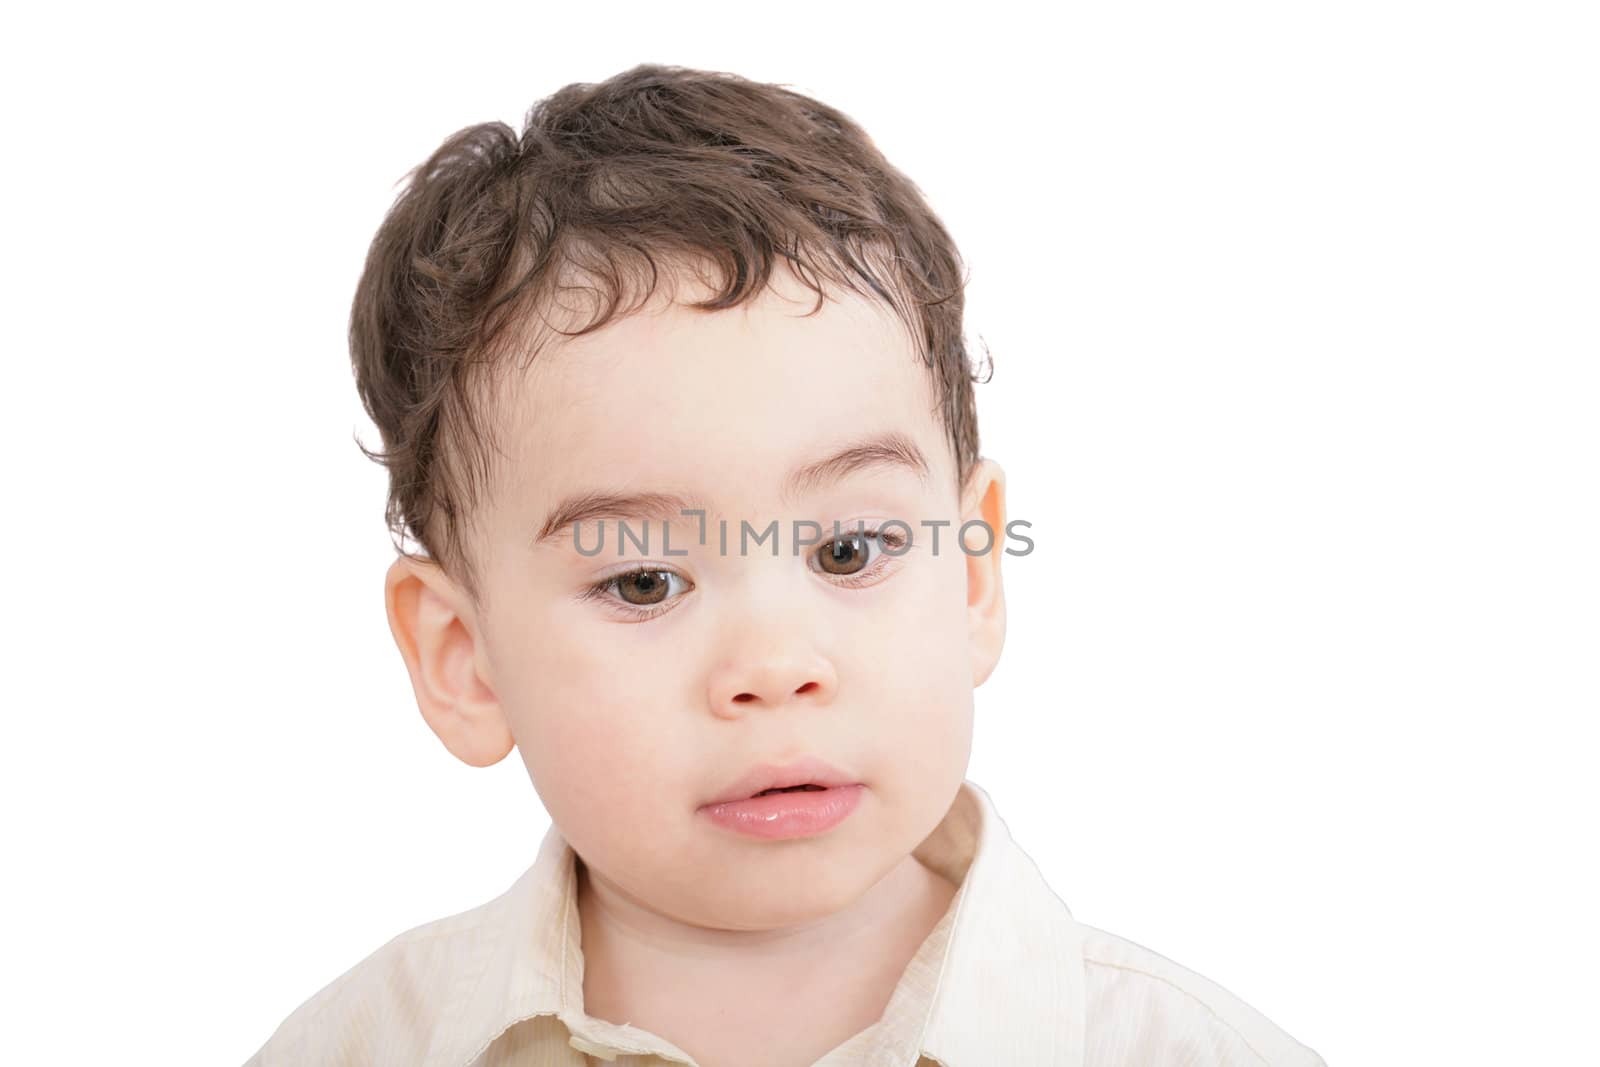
x,y
844,555
642,588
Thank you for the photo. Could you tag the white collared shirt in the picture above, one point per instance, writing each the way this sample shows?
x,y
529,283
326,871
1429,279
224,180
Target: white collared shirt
x,y
1007,976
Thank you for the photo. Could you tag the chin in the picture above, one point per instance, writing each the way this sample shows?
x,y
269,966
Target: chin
x,y
788,909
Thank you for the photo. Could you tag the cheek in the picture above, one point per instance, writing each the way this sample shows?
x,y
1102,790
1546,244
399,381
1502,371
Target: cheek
x,y
607,751
931,628
918,666
596,734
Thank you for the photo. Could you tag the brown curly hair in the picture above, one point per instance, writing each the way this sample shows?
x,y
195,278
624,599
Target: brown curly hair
x,y
658,166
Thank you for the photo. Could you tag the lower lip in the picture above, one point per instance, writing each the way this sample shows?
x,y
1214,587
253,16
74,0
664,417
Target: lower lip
x,y
778,816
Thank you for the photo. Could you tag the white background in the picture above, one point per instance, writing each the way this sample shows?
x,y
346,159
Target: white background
x,y
1293,314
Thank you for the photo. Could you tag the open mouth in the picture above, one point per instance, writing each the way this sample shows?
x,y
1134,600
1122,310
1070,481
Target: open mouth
x,y
791,789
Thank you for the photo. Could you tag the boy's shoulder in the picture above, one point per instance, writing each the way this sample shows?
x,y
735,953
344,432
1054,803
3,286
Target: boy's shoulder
x,y
1142,1007
386,1008
1021,969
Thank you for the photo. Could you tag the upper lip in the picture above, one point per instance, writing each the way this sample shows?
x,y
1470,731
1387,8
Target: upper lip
x,y
806,771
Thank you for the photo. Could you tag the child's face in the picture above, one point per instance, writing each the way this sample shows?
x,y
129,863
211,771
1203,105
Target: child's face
x,y
630,725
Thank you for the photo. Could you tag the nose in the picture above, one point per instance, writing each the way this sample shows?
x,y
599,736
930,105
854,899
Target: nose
x,y
771,673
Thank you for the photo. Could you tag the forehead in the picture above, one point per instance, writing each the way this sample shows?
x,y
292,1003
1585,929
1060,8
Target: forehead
x,y
722,402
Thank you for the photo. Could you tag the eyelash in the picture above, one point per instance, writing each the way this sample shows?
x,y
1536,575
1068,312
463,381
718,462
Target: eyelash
x,y
882,561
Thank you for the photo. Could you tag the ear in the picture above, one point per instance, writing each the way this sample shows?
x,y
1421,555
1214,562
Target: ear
x,y
435,626
984,500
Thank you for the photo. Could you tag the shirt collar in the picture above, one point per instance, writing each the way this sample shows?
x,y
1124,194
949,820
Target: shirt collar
x,y
1010,988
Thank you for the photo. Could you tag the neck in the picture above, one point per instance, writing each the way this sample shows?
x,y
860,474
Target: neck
x,y
669,977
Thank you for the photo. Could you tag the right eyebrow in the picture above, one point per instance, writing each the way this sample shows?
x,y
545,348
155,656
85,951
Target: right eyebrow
x,y
596,507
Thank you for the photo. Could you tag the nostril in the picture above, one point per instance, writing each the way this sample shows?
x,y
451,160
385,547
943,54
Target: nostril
x,y
808,685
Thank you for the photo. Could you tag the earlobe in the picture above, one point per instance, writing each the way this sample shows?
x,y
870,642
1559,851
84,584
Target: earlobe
x,y
435,632
984,522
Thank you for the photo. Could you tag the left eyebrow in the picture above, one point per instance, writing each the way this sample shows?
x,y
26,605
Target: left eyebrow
x,y
883,451
894,451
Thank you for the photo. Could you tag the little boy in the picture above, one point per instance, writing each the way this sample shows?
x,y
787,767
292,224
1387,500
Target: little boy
x,y
675,396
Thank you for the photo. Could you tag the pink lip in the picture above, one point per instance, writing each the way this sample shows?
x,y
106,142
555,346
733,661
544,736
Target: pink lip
x,y
786,815
779,816
806,771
